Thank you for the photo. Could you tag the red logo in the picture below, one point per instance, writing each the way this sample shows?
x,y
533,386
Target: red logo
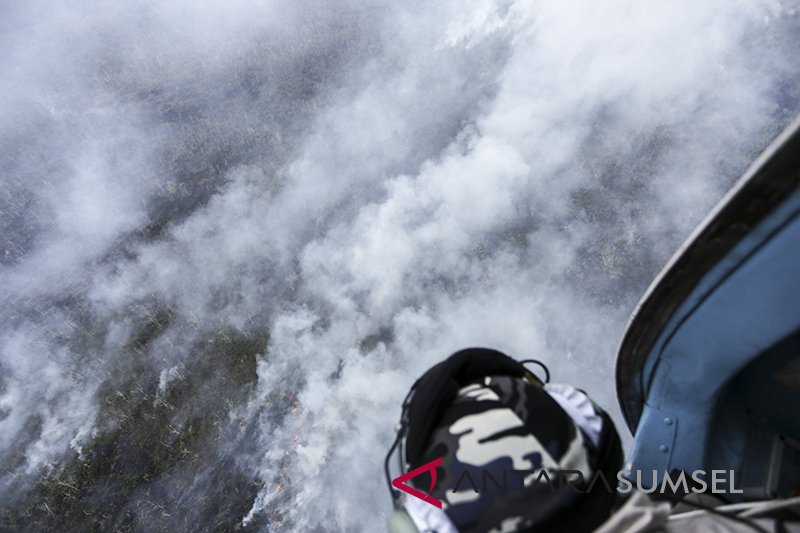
x,y
399,482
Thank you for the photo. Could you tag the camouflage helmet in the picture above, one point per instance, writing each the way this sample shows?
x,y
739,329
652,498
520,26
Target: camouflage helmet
x,y
512,459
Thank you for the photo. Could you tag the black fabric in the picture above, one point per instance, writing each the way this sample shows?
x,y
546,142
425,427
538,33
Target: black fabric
x,y
435,391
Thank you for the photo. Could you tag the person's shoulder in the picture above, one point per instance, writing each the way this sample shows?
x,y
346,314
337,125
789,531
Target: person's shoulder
x,y
637,514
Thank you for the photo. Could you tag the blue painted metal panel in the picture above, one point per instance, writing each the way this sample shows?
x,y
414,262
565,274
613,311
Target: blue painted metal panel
x,y
702,372
738,312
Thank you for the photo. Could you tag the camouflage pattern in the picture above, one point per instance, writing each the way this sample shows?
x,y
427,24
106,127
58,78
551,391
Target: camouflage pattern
x,y
498,441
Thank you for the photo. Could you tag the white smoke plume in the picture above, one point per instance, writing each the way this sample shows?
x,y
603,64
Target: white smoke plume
x,y
231,237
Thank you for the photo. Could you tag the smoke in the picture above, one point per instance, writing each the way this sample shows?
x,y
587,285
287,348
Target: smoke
x,y
231,238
